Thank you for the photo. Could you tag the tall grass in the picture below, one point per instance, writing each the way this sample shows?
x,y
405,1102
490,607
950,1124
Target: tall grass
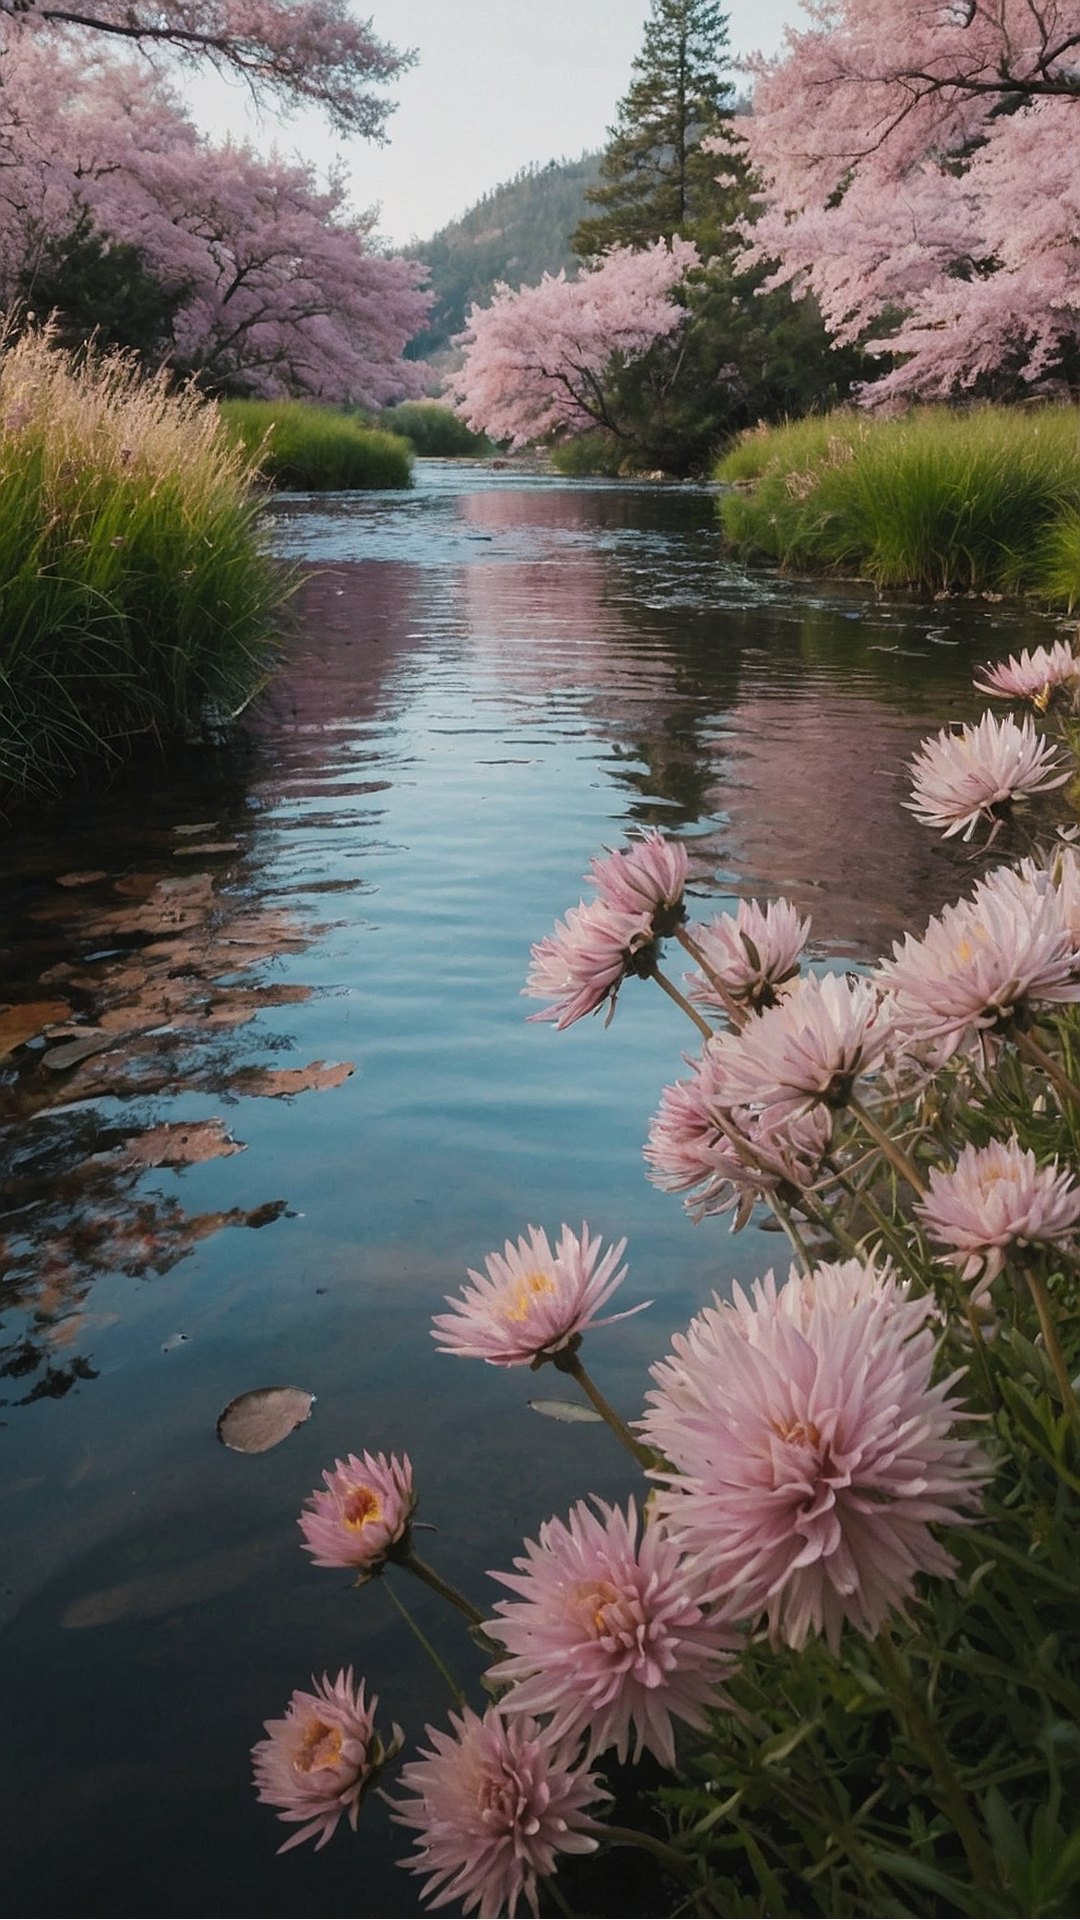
x,y
987,499
136,589
435,431
314,449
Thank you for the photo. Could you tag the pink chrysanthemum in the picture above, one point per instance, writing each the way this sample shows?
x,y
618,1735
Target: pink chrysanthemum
x,y
812,1454
320,1760
649,877
825,1034
962,778
532,1302
996,1198
723,1156
611,1636
981,961
585,961
1036,676
494,1806
754,952
363,1513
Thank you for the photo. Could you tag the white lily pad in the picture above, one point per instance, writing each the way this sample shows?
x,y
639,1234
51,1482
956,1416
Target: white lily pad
x,y
256,1421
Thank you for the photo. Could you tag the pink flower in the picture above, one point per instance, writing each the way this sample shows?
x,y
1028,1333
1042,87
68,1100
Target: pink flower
x,y
812,1453
532,1302
994,1199
364,1512
754,951
723,1156
611,1635
647,877
587,958
320,1760
823,1036
962,778
984,960
1035,676
494,1805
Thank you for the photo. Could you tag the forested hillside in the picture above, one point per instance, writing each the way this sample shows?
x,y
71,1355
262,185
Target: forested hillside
x,y
516,233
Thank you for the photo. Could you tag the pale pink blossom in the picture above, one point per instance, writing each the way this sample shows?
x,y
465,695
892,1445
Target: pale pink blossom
x,y
612,1635
976,774
994,1199
532,1302
1036,675
982,961
812,1454
755,952
649,877
364,1512
724,1156
585,961
823,1036
494,1804
319,1761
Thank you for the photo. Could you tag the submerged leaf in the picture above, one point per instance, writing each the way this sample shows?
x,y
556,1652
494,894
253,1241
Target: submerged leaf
x,y
93,1040
22,1023
275,1082
256,1421
180,1143
571,1411
81,879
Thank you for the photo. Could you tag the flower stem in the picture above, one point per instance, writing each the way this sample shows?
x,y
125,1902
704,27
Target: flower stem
x,y
735,1013
1032,1050
923,1734
782,1214
893,1153
680,1000
455,1691
677,1865
567,1362
413,1563
1037,1289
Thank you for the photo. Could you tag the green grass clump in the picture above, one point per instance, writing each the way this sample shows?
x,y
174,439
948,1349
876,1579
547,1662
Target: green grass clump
x,y
314,449
136,586
987,499
588,453
435,431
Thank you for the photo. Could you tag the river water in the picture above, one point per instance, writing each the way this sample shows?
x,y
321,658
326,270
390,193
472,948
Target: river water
x,y
310,946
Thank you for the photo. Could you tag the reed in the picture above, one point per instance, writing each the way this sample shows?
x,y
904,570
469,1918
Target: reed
x,y
987,499
314,449
137,592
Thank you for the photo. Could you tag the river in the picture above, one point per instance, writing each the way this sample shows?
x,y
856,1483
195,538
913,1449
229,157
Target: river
x,y
310,945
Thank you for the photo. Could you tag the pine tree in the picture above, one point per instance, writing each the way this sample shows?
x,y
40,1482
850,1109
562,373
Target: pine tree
x,y
655,179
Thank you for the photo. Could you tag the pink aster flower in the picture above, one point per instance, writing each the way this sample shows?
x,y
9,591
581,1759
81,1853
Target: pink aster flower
x,y
532,1302
726,1157
994,1199
828,1032
649,877
611,1637
494,1806
320,1760
585,961
754,952
1036,676
363,1513
813,1454
962,778
981,961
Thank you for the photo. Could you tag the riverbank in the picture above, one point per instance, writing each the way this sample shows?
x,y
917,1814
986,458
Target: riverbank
x,y
986,500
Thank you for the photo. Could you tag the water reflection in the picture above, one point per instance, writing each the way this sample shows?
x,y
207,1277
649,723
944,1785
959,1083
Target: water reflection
x,y
493,678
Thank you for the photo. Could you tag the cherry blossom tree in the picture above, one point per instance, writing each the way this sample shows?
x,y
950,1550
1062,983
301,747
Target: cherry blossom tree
x,y
539,361
920,176
271,280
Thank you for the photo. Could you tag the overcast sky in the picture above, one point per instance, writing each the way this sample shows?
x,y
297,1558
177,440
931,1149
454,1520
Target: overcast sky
x,y
498,84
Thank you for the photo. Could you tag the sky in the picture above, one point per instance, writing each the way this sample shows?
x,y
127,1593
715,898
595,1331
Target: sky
x,y
498,84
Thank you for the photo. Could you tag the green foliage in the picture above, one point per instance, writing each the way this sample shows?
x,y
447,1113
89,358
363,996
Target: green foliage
x,y
434,431
100,289
136,588
987,499
588,453
516,233
315,449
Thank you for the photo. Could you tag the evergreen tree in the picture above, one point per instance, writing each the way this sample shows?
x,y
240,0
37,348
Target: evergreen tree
x,y
655,181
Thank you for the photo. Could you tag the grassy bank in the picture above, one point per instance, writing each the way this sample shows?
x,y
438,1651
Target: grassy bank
x,y
987,499
434,431
315,449
136,589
